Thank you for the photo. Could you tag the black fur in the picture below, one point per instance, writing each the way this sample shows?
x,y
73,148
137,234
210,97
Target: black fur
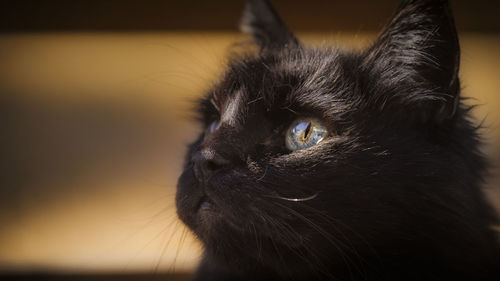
x,y
397,181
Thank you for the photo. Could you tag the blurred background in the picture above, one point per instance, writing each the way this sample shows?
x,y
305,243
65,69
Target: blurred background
x,y
95,100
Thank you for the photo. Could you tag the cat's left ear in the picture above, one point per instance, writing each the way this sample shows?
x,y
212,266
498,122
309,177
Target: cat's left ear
x,y
268,30
417,56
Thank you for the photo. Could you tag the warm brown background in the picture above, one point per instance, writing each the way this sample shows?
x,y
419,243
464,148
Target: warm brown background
x,y
94,117
221,15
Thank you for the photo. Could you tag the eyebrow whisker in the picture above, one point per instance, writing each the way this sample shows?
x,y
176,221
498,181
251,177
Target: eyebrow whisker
x,y
296,199
255,100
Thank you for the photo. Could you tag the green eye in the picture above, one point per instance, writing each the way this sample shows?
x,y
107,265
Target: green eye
x,y
304,133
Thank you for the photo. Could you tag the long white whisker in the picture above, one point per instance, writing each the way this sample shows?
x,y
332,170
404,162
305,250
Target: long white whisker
x,y
296,199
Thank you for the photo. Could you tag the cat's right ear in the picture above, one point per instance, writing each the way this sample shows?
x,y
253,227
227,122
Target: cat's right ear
x,y
268,30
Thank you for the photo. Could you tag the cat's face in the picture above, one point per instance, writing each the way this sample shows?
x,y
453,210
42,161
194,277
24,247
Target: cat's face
x,y
259,185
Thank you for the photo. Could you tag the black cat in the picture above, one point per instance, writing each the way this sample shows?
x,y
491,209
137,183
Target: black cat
x,y
321,164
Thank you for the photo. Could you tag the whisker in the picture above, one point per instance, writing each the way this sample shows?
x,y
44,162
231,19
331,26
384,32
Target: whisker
x,y
180,244
330,238
287,237
296,199
263,174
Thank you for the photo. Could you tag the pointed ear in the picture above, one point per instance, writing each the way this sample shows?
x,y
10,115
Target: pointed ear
x,y
263,23
417,56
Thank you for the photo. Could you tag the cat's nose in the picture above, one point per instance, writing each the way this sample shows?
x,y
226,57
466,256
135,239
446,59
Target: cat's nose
x,y
206,163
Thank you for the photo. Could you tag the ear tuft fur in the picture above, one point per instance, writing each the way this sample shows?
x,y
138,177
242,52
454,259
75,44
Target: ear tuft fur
x,y
263,23
418,55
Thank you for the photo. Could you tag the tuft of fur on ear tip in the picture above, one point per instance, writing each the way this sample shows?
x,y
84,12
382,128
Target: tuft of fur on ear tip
x,y
261,21
418,55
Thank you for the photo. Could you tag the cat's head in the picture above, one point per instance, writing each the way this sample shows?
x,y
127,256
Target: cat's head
x,y
316,155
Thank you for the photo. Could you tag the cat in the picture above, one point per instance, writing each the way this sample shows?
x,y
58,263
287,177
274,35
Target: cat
x,y
325,164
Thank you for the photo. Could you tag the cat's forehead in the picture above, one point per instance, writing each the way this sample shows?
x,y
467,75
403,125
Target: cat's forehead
x,y
316,79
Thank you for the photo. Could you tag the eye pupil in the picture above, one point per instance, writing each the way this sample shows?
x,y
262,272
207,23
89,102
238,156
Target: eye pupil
x,y
305,133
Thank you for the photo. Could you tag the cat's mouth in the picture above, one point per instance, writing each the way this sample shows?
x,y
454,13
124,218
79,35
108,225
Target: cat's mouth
x,y
205,205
